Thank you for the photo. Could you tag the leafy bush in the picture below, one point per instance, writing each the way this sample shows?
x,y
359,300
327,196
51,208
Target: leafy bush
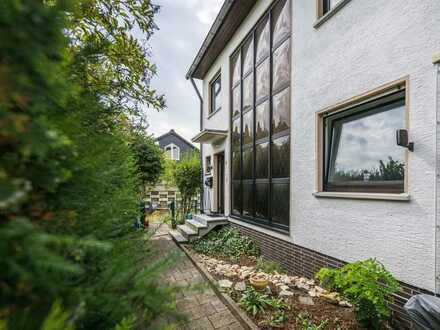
x,y
227,242
366,284
255,302
268,266
304,320
276,320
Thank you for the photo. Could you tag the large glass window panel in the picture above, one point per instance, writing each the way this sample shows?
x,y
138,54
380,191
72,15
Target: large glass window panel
x,y
263,81
262,200
248,92
248,56
362,151
236,197
248,195
236,69
262,161
215,95
281,65
281,157
263,40
236,133
236,93
280,204
281,21
236,174
248,163
262,121
248,127
281,111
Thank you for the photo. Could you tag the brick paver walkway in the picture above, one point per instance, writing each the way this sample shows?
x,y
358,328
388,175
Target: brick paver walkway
x,y
202,307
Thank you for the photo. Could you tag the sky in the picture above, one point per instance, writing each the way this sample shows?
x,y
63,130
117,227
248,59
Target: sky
x,y
183,26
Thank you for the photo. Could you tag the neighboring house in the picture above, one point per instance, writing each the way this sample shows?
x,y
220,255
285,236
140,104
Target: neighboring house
x,y
302,101
175,147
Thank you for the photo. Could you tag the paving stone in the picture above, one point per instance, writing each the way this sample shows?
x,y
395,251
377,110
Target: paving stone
x,y
222,319
200,324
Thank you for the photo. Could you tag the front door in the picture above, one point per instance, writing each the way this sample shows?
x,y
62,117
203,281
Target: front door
x,y
220,183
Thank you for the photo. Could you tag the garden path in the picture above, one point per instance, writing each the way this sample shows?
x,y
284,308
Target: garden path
x,y
202,307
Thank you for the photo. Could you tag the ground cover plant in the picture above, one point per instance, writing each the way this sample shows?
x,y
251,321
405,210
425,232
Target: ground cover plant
x,y
226,242
368,285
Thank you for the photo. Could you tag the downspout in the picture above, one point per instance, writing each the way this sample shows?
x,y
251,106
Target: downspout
x,y
202,204
436,62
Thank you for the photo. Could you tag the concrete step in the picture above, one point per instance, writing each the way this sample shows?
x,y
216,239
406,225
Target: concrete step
x,y
177,236
195,225
187,232
207,220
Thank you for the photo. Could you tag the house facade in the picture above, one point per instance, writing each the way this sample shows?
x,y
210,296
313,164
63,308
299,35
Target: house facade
x,y
322,118
175,147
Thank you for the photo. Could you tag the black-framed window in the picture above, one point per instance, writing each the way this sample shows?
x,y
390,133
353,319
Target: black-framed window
x,y
328,5
260,121
208,166
215,89
360,149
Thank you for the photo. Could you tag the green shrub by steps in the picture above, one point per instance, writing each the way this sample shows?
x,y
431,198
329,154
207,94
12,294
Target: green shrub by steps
x,y
366,284
226,242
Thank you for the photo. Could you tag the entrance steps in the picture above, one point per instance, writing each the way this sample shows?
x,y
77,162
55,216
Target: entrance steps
x,y
197,227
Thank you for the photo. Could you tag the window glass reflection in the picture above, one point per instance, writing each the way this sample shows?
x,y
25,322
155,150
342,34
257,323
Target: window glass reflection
x,y
281,18
236,134
262,160
281,157
262,37
281,111
248,195
236,197
281,65
247,162
236,175
263,80
262,121
280,202
248,57
248,127
236,68
248,92
236,101
262,200
363,148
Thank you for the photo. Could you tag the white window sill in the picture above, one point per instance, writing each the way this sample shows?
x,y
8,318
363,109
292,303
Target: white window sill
x,y
374,196
321,20
212,114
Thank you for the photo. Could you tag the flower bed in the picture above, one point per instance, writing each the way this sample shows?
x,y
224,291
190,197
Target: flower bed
x,y
287,302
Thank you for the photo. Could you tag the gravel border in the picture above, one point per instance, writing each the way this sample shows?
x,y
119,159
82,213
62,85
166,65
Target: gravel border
x,y
241,316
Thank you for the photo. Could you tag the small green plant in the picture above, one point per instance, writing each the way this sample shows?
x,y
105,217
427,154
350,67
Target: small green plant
x,y
255,302
267,266
366,284
276,320
306,323
226,242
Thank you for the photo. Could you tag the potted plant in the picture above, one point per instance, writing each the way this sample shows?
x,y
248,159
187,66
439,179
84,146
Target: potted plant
x,y
259,281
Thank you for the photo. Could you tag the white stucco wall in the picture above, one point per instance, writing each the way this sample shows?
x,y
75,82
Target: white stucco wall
x,y
365,45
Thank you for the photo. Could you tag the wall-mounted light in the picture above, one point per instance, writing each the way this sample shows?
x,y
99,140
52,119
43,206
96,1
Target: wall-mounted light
x,y
402,139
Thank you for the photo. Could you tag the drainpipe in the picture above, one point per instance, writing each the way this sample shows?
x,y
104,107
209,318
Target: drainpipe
x,y
436,61
202,204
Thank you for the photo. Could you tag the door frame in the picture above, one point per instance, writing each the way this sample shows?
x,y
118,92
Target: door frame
x,y
219,190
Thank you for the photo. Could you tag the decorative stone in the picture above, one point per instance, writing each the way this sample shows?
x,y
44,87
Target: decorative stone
x,y
284,287
240,286
332,297
306,300
225,284
286,293
345,303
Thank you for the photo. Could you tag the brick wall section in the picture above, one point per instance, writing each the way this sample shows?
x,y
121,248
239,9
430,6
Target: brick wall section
x,y
301,261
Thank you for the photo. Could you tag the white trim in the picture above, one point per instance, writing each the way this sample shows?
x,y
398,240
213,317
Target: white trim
x,y
351,195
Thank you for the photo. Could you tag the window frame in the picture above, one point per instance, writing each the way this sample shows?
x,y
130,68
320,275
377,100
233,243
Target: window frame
x,y
208,165
347,105
324,11
172,146
212,109
269,181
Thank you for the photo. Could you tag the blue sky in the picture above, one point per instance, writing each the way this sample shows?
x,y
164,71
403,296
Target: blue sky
x,y
183,25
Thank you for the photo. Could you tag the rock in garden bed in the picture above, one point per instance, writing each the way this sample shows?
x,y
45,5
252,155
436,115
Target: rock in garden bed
x,y
304,302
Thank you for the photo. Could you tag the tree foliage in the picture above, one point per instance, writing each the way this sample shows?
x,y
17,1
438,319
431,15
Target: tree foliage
x,y
72,79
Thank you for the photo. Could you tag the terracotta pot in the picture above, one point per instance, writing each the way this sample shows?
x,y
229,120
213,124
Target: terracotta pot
x,y
259,281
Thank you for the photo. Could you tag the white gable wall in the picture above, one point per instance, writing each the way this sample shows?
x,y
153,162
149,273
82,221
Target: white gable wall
x,y
365,45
